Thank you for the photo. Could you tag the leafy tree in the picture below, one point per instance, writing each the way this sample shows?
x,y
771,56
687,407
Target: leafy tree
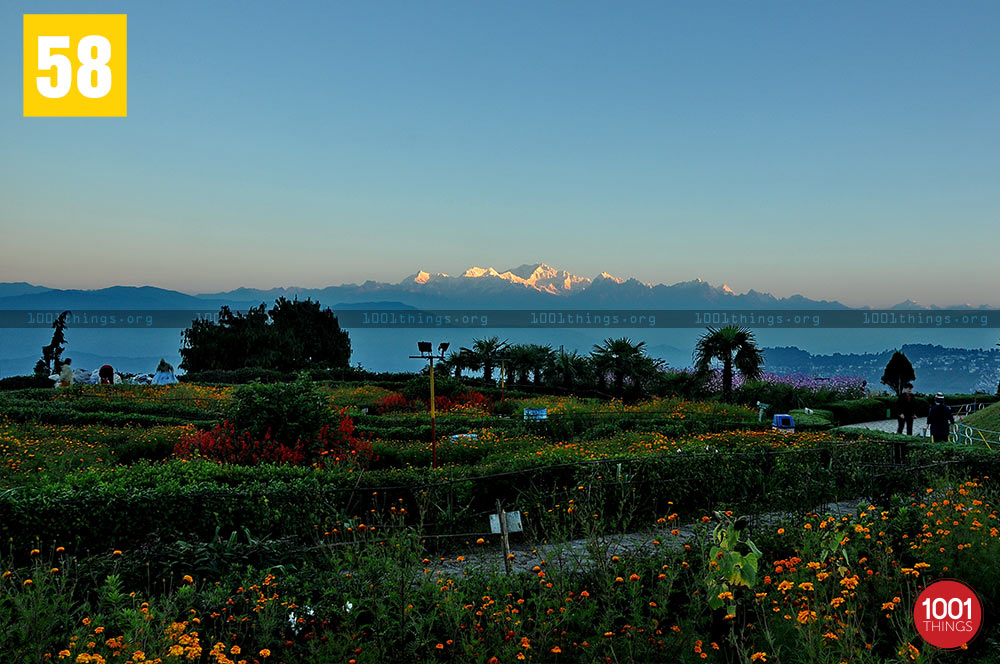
x,y
51,361
898,373
292,335
487,352
736,348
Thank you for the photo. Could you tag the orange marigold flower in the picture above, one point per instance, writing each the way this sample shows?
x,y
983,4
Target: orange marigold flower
x,y
758,657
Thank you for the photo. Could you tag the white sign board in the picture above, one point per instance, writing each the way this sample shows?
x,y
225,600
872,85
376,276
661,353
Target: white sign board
x,y
536,414
513,523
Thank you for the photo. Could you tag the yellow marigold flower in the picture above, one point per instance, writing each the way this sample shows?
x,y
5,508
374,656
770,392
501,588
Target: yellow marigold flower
x,y
726,595
806,616
63,654
265,653
235,650
28,582
35,552
758,657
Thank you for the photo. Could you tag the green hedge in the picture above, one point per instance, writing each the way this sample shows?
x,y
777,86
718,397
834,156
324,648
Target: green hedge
x,y
48,414
126,505
875,408
25,382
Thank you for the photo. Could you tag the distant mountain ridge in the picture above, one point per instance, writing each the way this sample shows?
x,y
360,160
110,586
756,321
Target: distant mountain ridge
x,y
527,285
535,284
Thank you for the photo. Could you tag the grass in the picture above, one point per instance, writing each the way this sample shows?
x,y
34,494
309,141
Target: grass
x,y
988,418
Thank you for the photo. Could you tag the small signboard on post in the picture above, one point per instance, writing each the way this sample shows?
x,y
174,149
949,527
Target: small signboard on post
x,y
505,523
513,523
535,414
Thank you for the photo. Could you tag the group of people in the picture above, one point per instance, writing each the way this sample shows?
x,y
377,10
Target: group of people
x,y
106,375
939,419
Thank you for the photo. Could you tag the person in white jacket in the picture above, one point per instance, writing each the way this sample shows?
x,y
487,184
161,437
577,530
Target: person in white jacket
x,y
164,374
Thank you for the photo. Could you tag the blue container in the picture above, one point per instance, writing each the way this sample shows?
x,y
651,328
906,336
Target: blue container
x,y
783,422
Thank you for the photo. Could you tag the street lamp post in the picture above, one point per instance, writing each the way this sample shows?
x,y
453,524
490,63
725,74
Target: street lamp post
x,y
427,353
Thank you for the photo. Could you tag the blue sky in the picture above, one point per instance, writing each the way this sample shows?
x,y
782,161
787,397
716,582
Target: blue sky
x,y
844,150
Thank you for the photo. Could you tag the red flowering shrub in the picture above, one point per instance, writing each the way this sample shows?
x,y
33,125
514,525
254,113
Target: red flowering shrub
x,y
394,403
330,446
470,400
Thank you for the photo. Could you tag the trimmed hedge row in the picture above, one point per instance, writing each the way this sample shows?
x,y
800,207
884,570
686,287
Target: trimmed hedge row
x,y
875,408
127,505
69,416
25,382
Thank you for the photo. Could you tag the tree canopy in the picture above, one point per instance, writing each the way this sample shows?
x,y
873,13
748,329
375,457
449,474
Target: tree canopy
x,y
736,348
898,372
294,334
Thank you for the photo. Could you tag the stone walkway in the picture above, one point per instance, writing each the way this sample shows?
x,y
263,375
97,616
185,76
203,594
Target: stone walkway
x,y
889,426
578,554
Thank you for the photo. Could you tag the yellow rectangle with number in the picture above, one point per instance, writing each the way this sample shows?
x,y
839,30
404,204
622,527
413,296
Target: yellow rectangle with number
x,y
75,65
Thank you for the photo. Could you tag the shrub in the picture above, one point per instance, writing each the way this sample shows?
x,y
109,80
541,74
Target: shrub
x,y
25,382
282,412
394,403
327,446
236,376
419,388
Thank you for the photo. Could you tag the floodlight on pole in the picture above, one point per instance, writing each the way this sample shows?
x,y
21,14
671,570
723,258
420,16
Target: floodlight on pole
x,y
426,353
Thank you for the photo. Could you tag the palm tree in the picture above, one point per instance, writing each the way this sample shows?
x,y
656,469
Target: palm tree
x,y
486,352
457,362
568,369
621,358
518,362
734,347
541,359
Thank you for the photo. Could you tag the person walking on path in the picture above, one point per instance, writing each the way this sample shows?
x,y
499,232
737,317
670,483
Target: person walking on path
x,y
940,420
906,410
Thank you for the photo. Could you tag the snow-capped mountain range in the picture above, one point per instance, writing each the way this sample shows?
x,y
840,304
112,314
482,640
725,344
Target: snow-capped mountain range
x,y
527,285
